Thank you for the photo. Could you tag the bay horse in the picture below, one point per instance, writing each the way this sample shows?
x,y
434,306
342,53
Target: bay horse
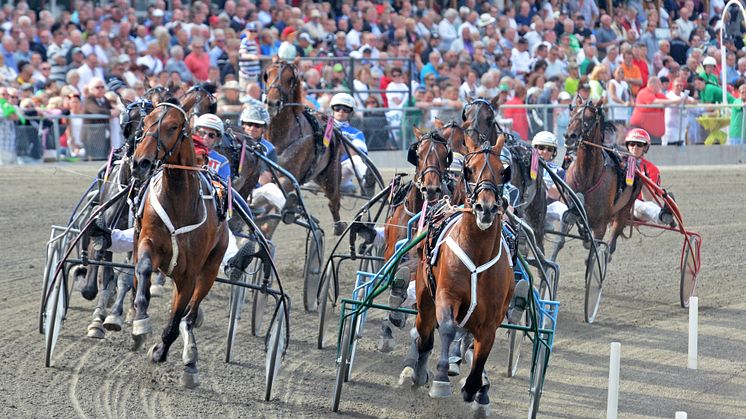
x,y
431,155
176,233
297,136
466,280
593,173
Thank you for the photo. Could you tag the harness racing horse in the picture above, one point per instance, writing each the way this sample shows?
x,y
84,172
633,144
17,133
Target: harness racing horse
x,y
176,232
467,280
595,175
297,136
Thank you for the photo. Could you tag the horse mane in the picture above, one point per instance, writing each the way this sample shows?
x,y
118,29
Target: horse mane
x,y
209,87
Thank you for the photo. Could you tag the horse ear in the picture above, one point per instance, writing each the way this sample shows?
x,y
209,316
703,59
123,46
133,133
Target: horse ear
x,y
601,102
125,102
171,86
417,132
495,102
438,123
578,100
498,147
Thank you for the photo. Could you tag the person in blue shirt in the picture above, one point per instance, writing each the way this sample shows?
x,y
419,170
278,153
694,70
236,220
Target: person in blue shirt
x,y
343,105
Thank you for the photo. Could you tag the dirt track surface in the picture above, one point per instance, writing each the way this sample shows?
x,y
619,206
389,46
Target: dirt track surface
x,y
640,309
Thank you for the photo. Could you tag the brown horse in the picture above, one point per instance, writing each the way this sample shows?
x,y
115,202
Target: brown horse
x,y
177,233
452,295
297,136
593,174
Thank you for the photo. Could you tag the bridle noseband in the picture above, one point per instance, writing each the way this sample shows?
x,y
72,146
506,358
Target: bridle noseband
x,y
432,148
482,184
156,134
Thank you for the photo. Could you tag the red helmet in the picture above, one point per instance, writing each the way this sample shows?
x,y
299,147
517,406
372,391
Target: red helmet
x,y
637,135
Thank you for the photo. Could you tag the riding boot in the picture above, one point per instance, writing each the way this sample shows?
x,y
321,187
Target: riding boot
x,y
369,184
100,234
398,296
290,210
571,215
519,302
666,215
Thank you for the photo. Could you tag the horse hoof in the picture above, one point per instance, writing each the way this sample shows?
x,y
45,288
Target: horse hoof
x,y
422,379
157,290
440,389
141,327
339,228
481,410
96,330
190,378
113,323
151,354
138,341
406,377
386,345
454,369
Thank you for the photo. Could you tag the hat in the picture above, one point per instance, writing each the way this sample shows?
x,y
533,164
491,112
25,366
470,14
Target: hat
x,y
231,85
485,19
522,40
338,68
76,50
564,96
434,35
421,89
307,37
158,13
463,10
709,61
315,13
251,26
287,32
366,48
123,58
504,87
584,86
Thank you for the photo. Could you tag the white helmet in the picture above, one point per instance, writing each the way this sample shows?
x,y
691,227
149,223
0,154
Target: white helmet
x,y
287,51
544,138
343,99
209,120
709,61
254,114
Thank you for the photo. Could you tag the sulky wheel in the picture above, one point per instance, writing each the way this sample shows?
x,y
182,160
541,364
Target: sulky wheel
x,y
259,302
56,307
537,381
276,345
688,271
595,272
313,267
343,362
325,302
238,296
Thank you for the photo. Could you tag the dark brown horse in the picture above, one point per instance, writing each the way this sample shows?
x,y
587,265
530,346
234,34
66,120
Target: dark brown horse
x,y
178,233
452,295
593,174
297,136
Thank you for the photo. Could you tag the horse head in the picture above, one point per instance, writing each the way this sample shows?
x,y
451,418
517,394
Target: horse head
x,y
158,94
283,87
484,177
480,115
431,156
587,123
165,139
199,99
131,121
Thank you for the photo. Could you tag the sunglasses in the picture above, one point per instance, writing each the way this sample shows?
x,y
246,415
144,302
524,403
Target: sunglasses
x,y
545,148
98,87
343,109
45,68
253,125
632,144
208,134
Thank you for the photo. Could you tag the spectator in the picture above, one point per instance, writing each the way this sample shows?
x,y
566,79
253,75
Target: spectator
x,y
7,73
198,62
737,134
677,117
573,78
176,64
520,58
519,116
652,119
362,84
447,29
620,99
710,93
89,70
229,103
632,73
150,58
597,81
605,35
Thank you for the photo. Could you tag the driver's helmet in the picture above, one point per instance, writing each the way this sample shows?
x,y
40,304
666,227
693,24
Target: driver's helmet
x,y
209,120
544,138
637,135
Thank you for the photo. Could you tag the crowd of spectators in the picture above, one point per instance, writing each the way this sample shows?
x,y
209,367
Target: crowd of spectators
x,y
420,55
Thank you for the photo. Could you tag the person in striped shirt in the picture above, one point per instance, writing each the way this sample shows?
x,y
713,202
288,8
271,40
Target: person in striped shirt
x,y
248,54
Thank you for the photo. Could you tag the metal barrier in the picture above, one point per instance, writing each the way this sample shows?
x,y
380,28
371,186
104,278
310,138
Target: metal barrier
x,y
29,141
96,141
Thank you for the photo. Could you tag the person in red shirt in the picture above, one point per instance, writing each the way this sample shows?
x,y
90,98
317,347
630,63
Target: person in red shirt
x,y
638,143
518,115
639,53
198,62
651,120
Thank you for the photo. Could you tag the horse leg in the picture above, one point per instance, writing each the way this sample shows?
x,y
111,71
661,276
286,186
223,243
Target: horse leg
x,y
141,326
330,180
415,362
456,353
96,328
114,320
617,225
441,386
90,288
474,382
159,352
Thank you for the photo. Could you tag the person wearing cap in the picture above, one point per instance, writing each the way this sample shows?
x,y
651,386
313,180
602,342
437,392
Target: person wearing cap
x,y
305,44
710,73
546,145
248,54
266,196
229,101
637,142
287,50
710,93
343,105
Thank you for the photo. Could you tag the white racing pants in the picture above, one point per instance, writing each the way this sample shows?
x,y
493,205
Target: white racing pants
x,y
271,193
555,211
647,211
350,166
123,241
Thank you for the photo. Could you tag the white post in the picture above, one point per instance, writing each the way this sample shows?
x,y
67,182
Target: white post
x,y
722,46
693,319
612,402
680,415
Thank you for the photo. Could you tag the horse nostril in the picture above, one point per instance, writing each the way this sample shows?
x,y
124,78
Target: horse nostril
x,y
493,209
144,165
478,207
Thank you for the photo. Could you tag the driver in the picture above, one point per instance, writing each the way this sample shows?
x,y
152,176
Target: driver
x,y
343,105
638,144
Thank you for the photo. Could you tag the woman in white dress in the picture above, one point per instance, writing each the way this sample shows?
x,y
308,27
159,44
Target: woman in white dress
x,y
620,101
